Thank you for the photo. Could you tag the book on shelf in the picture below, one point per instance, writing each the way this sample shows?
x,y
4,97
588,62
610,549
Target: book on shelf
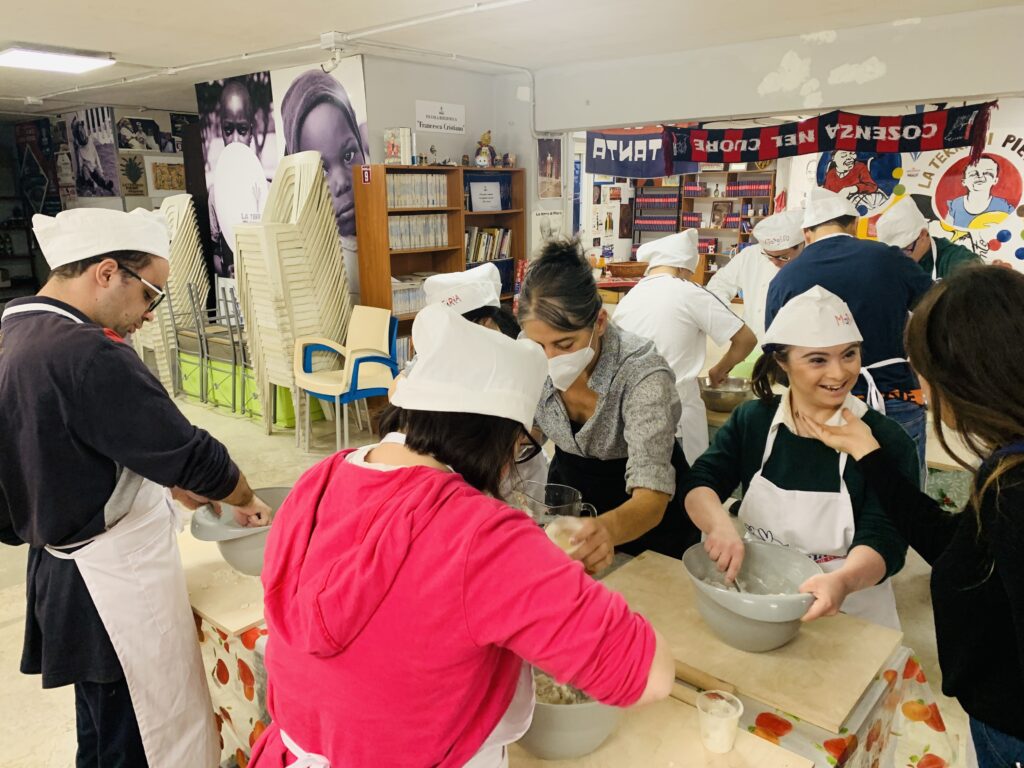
x,y
417,190
707,245
397,146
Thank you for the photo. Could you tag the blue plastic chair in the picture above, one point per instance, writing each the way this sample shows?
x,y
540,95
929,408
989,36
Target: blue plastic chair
x,y
370,365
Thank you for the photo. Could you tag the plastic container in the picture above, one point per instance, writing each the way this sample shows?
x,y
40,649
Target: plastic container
x,y
718,717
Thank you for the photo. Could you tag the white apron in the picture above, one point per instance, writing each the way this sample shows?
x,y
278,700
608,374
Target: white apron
x,y
817,523
693,421
874,398
134,576
493,753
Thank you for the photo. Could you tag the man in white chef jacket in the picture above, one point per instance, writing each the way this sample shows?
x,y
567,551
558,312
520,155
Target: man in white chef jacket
x,y
780,239
90,443
678,315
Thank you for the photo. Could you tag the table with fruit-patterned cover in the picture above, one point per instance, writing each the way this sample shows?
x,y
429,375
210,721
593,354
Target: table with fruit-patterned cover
x,y
238,687
896,724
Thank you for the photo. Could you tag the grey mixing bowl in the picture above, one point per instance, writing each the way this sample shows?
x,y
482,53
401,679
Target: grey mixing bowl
x,y
564,731
765,616
241,547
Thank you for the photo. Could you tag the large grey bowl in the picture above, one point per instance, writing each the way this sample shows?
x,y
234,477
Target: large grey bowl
x,y
765,616
725,397
564,731
241,547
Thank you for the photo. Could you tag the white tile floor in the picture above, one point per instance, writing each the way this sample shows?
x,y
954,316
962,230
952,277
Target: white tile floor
x,y
37,727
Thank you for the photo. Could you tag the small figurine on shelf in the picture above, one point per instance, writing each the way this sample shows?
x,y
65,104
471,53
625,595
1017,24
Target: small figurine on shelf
x,y
433,155
423,159
508,160
716,193
486,155
465,160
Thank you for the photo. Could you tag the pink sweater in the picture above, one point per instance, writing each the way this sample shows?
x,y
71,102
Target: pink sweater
x,y
399,606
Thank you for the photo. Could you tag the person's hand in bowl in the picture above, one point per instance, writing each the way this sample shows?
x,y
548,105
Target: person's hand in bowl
x,y
854,437
717,375
254,514
725,548
193,501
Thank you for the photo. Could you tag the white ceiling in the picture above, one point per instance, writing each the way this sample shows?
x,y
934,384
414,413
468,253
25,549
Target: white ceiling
x,y
147,37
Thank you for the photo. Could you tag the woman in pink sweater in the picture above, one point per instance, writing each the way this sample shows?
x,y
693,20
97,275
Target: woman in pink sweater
x,y
405,602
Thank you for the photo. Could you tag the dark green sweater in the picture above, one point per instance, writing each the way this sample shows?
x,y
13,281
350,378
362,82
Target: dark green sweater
x,y
804,464
949,255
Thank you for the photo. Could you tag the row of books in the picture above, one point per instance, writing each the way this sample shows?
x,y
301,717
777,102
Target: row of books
x,y
695,189
428,231
753,188
653,200
417,190
691,219
731,221
750,209
707,245
402,350
407,294
655,224
487,244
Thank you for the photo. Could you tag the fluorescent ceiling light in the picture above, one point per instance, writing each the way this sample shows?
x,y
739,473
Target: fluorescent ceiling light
x,y
52,61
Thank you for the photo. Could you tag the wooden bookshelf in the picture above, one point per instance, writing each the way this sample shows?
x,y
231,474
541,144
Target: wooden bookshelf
x,y
379,262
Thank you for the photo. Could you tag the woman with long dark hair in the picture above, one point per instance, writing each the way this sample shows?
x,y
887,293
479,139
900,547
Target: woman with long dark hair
x,y
610,407
964,343
405,603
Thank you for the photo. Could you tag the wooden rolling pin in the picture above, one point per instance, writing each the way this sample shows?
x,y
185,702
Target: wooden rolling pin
x,y
701,680
684,693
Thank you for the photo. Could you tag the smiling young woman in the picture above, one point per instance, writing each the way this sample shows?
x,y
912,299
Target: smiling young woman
x,y
797,491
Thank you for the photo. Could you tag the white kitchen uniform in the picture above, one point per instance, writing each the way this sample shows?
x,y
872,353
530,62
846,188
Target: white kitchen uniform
x,y
748,272
678,316
819,524
134,576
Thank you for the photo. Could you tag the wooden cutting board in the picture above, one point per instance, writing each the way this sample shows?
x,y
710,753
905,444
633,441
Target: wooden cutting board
x,y
665,734
818,676
229,600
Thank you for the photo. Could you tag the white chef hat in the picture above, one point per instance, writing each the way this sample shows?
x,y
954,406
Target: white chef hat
x,y
462,367
815,318
678,250
465,291
824,205
82,233
780,231
902,224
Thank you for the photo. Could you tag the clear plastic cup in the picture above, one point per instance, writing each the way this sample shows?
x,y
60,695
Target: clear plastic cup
x,y
718,715
562,529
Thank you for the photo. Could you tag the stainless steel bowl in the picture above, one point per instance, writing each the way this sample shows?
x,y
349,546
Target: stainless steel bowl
x,y
724,398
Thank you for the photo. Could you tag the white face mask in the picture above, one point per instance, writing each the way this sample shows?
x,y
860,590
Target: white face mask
x,y
565,369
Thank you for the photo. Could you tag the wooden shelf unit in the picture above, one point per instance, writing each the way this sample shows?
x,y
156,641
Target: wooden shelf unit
x,y
378,262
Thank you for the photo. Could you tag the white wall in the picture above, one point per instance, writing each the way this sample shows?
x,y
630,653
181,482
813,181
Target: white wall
x,y
961,55
392,88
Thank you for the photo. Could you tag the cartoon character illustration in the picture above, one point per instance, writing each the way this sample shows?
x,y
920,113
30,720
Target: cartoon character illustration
x,y
848,175
979,179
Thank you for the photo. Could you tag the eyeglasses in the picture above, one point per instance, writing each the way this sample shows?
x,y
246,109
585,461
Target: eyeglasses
x,y
775,258
160,294
528,451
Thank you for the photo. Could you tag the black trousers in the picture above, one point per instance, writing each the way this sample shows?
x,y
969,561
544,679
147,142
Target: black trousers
x,y
108,733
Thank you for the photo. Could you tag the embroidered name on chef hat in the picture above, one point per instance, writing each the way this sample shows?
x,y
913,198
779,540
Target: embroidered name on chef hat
x,y
465,291
815,318
780,231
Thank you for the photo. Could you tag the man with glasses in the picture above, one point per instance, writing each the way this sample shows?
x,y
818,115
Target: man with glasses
x,y
779,240
90,443
905,227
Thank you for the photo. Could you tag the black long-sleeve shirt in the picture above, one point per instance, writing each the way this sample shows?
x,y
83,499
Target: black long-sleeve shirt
x,y
977,588
74,406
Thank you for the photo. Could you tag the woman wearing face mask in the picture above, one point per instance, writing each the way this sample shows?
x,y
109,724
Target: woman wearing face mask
x,y
403,603
611,408
972,378
798,492
318,115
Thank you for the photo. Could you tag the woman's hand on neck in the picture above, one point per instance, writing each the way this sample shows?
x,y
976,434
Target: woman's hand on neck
x,y
800,406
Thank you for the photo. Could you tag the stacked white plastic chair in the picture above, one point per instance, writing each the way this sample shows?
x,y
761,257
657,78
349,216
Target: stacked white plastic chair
x,y
291,275
187,267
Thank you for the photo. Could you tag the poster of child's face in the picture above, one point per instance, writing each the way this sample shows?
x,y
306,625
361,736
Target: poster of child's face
x,y
236,113
94,152
326,112
978,195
